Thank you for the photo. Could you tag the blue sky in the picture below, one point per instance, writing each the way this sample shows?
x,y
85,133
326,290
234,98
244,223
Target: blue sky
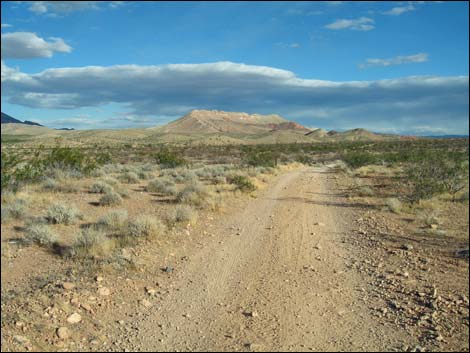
x,y
387,66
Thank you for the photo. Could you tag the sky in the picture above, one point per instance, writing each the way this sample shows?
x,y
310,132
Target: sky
x,y
391,67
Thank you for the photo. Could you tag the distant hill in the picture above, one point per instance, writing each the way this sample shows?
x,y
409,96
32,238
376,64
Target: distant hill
x,y
216,121
448,136
7,119
212,127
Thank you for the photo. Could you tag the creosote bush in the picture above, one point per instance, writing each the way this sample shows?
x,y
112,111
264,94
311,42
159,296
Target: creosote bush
x,y
242,183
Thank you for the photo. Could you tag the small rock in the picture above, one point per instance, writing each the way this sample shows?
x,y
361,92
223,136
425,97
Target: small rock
x,y
150,291
68,285
407,247
146,303
168,269
87,307
104,291
320,224
63,333
75,318
99,278
20,339
251,313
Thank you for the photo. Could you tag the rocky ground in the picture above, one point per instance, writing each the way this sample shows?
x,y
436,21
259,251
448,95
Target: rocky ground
x,y
302,267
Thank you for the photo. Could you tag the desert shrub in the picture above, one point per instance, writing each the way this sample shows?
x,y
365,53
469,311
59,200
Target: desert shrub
x,y
149,167
16,209
162,186
365,191
112,168
129,177
144,175
393,204
169,159
145,226
100,187
114,221
110,199
122,191
194,193
359,159
60,213
220,180
463,197
429,217
60,186
41,234
262,159
430,174
110,180
17,170
185,213
242,183
50,184
91,242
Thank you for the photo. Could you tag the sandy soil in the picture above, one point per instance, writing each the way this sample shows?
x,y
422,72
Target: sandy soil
x,y
301,267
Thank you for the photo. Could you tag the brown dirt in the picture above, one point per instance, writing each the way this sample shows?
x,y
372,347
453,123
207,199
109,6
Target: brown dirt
x,y
299,268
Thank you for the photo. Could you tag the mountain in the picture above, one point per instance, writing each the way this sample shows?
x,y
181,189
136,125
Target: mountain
x,y
7,119
209,127
216,121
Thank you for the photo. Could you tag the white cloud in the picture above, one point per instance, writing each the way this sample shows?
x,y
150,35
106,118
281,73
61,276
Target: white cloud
x,y
174,89
6,25
64,7
288,45
61,6
398,10
24,45
359,24
397,60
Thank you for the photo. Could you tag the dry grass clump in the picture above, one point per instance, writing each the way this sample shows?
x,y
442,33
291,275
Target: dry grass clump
x,y
91,242
129,177
15,209
110,199
60,213
143,175
194,194
219,180
429,217
163,186
181,213
365,191
112,168
145,226
110,180
41,234
60,186
100,187
394,205
114,221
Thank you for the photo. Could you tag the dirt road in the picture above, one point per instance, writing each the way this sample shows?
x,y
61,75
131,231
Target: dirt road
x,y
276,277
